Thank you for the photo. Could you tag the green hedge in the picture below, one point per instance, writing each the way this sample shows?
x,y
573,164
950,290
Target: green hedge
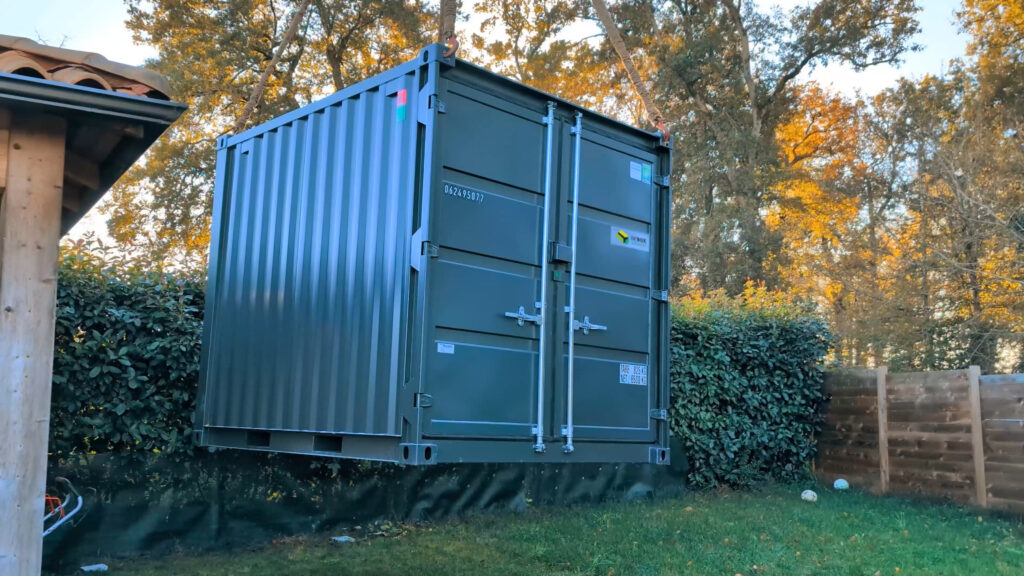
x,y
126,359
746,375
125,376
747,379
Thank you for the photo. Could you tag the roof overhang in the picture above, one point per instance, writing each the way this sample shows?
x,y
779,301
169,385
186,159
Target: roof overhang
x,y
73,66
106,132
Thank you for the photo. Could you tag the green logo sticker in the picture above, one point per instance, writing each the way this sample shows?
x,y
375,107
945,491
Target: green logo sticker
x,y
631,239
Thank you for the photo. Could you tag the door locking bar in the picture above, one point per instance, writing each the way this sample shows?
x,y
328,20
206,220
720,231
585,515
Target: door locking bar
x,y
549,136
586,326
577,134
522,317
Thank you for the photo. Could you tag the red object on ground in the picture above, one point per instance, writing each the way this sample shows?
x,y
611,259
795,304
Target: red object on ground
x,y
54,504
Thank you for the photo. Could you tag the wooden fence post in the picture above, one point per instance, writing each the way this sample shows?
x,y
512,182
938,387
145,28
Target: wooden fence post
x,y
883,428
977,435
30,211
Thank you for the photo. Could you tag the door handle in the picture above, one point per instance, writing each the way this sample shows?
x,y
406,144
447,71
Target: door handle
x,y
586,326
521,317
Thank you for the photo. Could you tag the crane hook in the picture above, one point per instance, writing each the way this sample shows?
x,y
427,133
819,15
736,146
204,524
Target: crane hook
x,y
453,46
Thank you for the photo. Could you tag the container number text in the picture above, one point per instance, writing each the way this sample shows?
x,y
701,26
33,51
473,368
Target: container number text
x,y
456,191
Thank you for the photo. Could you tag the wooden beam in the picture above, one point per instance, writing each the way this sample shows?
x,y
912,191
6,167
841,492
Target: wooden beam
x,y
5,131
883,428
72,197
98,140
81,171
977,436
30,229
133,130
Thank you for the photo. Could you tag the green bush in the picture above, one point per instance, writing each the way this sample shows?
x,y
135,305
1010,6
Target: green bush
x,y
746,376
125,377
126,358
747,381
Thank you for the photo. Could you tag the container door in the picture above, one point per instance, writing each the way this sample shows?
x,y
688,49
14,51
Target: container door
x,y
613,342
485,283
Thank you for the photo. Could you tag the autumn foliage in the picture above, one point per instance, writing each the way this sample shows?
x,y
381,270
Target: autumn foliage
x,y
900,215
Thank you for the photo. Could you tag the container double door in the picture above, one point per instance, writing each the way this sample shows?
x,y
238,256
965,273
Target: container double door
x,y
500,286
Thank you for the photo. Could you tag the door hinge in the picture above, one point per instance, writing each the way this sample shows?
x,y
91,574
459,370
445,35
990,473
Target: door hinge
x,y
659,414
659,295
560,253
422,400
436,103
661,181
429,249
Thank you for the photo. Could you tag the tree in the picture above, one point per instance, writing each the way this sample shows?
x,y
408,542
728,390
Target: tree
x,y
726,74
212,53
997,45
814,210
972,206
538,43
896,219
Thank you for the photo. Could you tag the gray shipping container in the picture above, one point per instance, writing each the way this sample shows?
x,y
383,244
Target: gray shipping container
x,y
395,269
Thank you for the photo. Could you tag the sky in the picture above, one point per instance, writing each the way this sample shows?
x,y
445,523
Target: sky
x,y
98,26
940,38
90,25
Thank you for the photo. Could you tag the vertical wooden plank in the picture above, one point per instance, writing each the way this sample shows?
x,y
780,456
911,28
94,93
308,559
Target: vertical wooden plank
x,y
977,436
5,131
883,428
30,228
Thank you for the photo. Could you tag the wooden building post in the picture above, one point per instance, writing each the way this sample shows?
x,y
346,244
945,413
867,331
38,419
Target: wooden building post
x,y
977,436
32,163
883,428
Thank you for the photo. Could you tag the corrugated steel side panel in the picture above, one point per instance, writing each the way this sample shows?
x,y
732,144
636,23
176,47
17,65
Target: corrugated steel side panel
x,y
309,273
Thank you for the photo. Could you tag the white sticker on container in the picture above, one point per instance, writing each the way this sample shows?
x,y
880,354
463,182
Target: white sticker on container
x,y
633,374
640,171
630,239
445,348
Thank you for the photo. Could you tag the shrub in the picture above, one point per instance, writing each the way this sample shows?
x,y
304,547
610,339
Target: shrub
x,y
746,375
126,358
747,381
125,378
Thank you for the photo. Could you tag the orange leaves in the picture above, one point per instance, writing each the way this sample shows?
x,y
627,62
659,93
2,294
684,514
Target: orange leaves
x,y
817,144
807,212
755,300
820,133
996,27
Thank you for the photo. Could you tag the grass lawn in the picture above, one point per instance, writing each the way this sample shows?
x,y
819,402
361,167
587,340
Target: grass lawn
x,y
767,532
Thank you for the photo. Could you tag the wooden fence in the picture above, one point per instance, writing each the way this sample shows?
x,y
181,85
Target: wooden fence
x,y
953,434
